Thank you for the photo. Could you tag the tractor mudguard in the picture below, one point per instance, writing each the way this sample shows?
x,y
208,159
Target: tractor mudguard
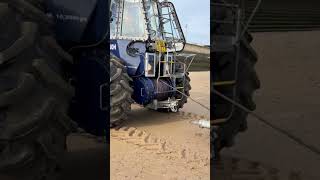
x,y
91,70
78,22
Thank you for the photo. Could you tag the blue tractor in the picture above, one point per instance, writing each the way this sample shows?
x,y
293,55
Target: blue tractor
x,y
145,67
54,61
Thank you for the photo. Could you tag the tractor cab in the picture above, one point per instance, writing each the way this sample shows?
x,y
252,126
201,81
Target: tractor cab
x,y
148,21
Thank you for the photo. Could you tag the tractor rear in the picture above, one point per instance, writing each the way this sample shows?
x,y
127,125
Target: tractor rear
x,y
146,67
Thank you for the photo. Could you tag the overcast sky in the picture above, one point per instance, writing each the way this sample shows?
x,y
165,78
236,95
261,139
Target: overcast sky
x,y
196,14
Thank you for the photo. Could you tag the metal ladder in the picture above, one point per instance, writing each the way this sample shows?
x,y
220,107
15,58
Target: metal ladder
x,y
225,44
169,68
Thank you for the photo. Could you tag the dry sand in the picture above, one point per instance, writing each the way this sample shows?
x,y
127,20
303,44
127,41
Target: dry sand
x,y
164,145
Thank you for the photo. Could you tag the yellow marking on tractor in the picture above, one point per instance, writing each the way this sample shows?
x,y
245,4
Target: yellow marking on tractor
x,y
161,46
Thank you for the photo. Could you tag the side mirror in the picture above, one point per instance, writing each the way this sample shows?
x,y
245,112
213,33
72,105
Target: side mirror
x,y
171,27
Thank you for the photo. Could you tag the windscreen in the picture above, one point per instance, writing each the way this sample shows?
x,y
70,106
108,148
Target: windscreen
x,y
127,20
133,21
154,24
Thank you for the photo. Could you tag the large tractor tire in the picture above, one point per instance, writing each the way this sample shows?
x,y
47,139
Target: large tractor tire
x,y
120,92
34,93
186,90
231,122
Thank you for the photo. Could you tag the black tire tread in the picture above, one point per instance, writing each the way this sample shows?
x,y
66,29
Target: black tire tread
x,y
120,92
247,83
34,93
186,91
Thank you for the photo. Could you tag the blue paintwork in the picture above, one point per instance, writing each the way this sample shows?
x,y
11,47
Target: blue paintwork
x,y
135,65
144,90
84,22
98,26
80,22
91,70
